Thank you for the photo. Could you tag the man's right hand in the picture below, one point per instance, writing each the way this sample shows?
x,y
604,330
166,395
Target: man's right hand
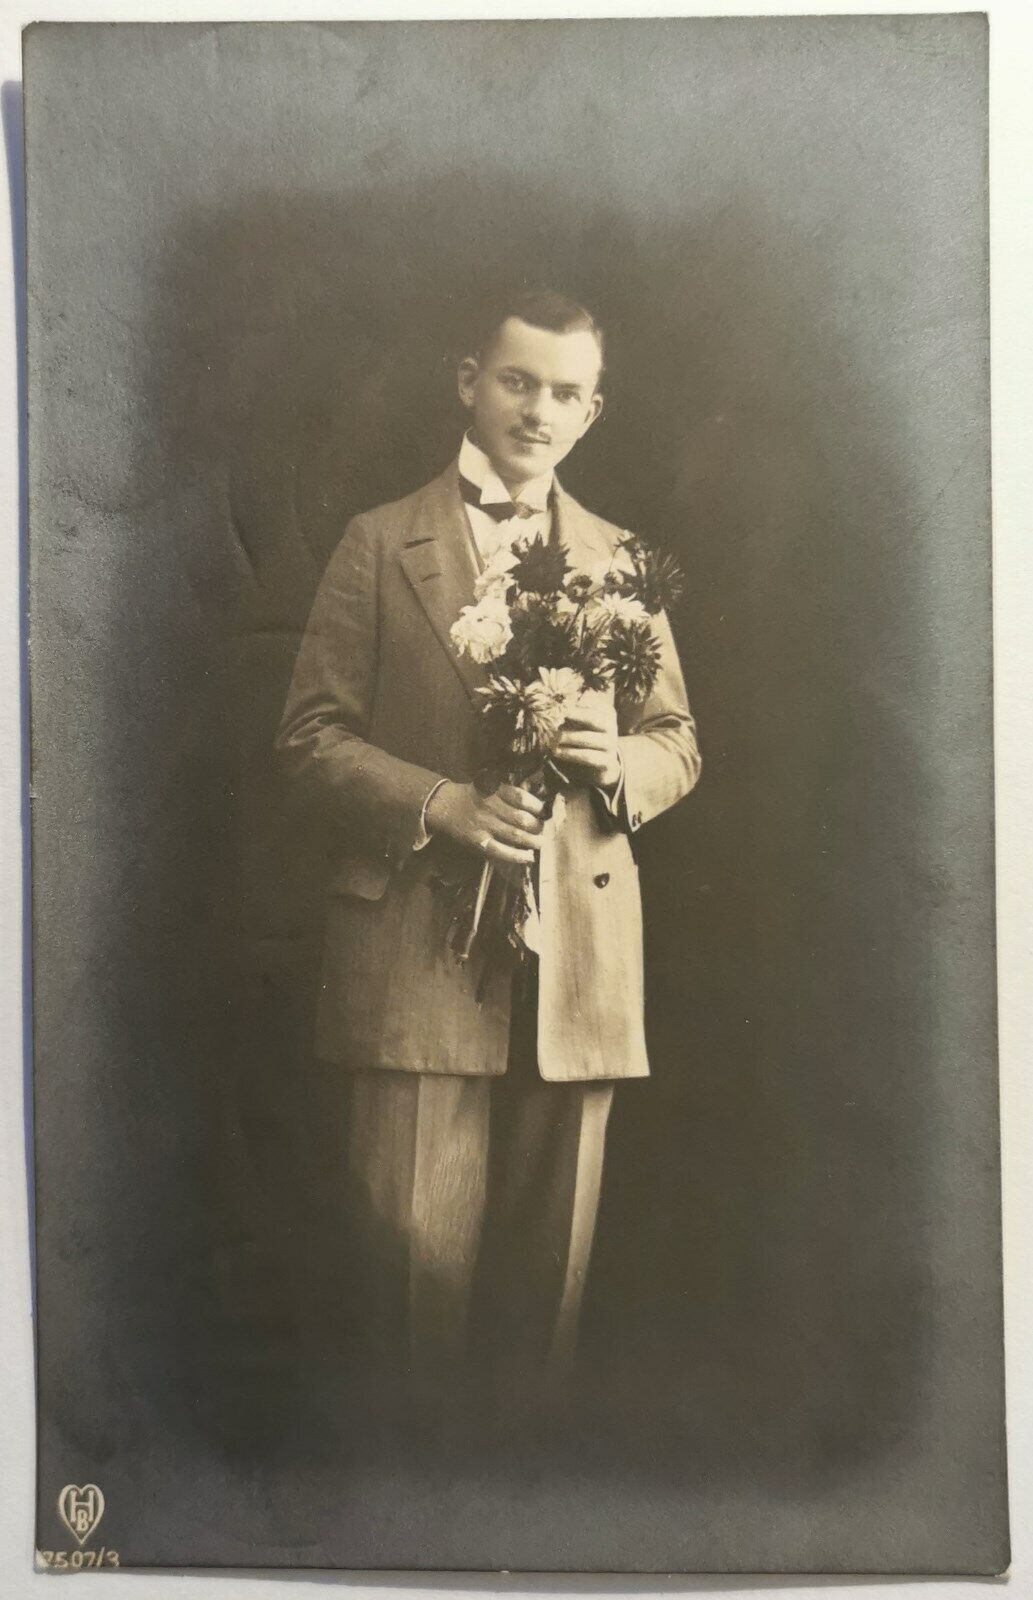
x,y
505,826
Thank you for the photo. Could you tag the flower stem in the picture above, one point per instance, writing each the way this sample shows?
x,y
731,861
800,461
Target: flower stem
x,y
487,873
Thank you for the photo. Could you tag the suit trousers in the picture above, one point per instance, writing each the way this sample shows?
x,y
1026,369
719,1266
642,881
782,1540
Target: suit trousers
x,y
474,1202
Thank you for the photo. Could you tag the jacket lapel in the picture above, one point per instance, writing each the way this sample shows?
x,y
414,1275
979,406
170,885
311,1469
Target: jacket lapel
x,y
438,560
579,532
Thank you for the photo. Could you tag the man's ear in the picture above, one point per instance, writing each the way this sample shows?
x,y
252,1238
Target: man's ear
x,y
595,406
467,374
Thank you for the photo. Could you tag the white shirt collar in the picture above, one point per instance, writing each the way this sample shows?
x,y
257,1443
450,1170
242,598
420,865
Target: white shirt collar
x,y
478,470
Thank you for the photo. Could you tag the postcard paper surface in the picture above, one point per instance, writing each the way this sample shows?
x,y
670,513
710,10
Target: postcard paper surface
x,y
515,1078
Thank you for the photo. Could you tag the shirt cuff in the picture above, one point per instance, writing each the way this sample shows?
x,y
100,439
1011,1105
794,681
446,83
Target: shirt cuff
x,y
613,798
422,839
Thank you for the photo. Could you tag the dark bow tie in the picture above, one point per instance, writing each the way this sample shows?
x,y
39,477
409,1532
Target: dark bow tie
x,y
498,511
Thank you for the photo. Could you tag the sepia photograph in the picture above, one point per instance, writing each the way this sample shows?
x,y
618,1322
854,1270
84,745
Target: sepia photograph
x,y
514,990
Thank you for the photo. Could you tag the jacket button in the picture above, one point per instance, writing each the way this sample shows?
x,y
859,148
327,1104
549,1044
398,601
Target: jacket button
x,y
601,880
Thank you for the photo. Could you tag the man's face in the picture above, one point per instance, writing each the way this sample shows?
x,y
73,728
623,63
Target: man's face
x,y
533,394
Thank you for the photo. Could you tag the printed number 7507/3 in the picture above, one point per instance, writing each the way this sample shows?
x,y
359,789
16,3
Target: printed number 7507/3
x,y
77,1560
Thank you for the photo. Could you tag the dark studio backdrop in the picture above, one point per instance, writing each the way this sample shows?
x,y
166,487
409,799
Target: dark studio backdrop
x,y
250,252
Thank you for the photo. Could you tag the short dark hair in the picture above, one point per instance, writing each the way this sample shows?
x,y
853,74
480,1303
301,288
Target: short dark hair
x,y
542,308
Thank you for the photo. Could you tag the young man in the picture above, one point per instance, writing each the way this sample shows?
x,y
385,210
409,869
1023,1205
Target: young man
x,y
473,1099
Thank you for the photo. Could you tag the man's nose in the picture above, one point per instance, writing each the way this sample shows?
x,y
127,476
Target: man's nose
x,y
536,408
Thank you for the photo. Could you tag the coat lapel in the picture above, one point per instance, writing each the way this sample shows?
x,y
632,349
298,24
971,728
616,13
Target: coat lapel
x,y
578,531
438,560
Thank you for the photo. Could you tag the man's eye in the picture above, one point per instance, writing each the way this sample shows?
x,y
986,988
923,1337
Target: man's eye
x,y
511,381
565,396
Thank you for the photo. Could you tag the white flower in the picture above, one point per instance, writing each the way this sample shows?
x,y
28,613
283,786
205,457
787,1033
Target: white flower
x,y
609,608
483,631
563,685
550,700
494,580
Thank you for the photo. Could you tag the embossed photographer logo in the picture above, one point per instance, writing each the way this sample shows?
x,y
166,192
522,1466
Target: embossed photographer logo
x,y
80,1507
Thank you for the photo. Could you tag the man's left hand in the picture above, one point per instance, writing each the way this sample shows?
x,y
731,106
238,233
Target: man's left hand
x,y
588,744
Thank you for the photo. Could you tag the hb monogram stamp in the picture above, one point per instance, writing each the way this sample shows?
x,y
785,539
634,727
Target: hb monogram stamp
x,y
80,1507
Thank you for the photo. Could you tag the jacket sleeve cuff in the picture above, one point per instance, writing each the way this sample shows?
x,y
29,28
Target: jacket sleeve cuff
x,y
610,803
422,839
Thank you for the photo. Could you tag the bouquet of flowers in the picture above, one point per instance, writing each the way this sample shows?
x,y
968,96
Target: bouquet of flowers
x,y
549,635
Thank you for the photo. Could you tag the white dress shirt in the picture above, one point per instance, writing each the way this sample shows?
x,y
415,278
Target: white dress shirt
x,y
475,467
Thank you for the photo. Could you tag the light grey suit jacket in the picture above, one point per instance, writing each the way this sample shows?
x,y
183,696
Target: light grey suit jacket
x,y
380,707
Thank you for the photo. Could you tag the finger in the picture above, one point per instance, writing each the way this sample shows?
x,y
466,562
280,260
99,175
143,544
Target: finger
x,y
584,752
515,817
587,760
584,741
519,838
599,721
496,851
522,799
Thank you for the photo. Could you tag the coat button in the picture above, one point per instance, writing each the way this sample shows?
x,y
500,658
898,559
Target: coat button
x,y
601,880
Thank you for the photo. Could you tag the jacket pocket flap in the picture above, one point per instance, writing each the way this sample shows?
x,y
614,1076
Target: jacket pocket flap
x,y
362,876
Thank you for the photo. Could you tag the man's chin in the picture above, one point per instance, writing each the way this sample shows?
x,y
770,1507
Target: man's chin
x,y
534,459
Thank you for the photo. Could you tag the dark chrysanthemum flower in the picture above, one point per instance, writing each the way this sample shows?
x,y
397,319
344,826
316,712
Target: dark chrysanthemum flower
x,y
589,655
579,587
633,652
542,637
540,567
521,717
656,579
